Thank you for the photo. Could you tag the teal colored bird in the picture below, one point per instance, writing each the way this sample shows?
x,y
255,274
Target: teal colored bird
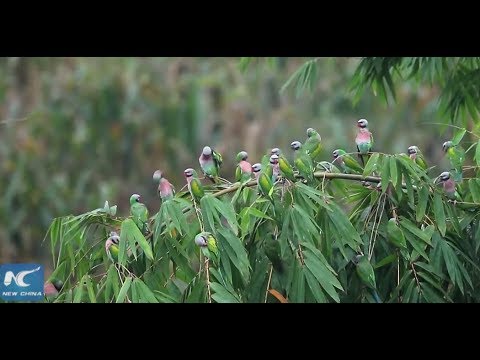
x,y
243,172
416,155
210,163
303,162
366,273
194,185
264,181
165,190
111,246
285,168
313,144
364,139
456,156
346,162
208,244
139,213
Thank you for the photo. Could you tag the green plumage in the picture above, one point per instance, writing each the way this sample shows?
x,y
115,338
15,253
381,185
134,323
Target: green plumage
x,y
313,144
303,162
346,162
456,155
265,183
195,186
272,250
365,272
416,155
139,213
395,234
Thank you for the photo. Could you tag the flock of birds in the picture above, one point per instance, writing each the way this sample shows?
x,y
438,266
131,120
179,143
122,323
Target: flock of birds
x,y
275,168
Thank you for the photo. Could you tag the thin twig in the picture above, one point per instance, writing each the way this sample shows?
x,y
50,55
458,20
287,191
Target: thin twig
x,y
416,278
268,284
398,275
207,271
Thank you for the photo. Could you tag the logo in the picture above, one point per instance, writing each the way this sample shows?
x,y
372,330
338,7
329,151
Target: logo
x,y
21,282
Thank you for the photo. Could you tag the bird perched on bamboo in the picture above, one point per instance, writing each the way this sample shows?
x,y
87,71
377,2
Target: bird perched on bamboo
x,y
165,189
210,163
364,139
111,246
208,244
194,185
366,273
346,162
417,157
456,155
302,161
313,143
264,181
243,172
285,168
139,213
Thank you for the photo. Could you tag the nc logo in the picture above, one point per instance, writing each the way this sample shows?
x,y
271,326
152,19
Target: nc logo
x,y
19,279
21,282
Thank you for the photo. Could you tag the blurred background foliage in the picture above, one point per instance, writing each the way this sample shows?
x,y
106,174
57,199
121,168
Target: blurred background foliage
x,y
75,132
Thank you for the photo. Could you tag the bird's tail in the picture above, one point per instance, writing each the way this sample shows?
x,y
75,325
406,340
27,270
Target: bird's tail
x,y
457,175
376,297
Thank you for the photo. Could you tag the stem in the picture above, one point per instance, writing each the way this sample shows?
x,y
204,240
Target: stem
x,y
208,280
268,284
398,275
416,278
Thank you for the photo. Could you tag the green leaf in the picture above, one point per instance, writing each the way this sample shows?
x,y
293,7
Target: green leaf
x,y
393,169
124,289
78,293
474,190
144,292
371,164
324,276
412,228
422,203
459,136
439,213
385,261
90,290
222,295
314,287
386,172
132,234
257,213
477,153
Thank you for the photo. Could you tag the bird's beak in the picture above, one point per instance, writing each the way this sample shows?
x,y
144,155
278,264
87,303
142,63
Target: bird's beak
x,y
437,180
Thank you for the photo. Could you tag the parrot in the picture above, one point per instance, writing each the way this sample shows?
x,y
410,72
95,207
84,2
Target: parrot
x,y
210,162
416,155
52,288
302,161
111,246
165,190
264,181
346,162
285,168
313,145
366,273
456,156
243,172
139,213
271,247
449,186
208,244
275,167
194,185
364,139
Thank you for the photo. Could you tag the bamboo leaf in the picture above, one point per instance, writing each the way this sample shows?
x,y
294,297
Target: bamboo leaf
x,y
439,213
123,290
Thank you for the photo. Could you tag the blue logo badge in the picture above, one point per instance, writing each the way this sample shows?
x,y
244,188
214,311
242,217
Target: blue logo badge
x,y
21,282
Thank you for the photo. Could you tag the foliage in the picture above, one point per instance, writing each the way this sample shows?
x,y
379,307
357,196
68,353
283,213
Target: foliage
x,y
301,246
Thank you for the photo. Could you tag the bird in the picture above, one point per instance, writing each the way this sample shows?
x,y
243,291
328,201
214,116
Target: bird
x,y
165,190
264,181
243,172
449,186
346,162
139,213
210,163
285,168
194,185
366,273
456,155
302,161
313,145
416,155
111,246
208,244
364,139
275,167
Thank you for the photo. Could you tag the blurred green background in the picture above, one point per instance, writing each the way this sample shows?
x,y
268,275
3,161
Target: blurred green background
x,y
75,132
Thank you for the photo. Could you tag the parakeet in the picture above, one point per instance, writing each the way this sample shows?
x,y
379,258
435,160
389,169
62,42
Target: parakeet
x,y
313,145
264,181
285,168
302,161
275,167
243,172
111,246
139,213
449,185
52,287
271,247
210,162
364,139
366,273
194,185
416,155
346,162
165,190
456,156
208,244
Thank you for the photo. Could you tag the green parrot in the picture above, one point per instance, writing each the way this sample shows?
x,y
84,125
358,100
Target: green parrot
x,y
285,168
210,162
243,172
303,162
271,247
111,246
456,156
364,139
208,244
346,162
264,181
313,145
395,234
366,273
416,155
139,213
194,185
